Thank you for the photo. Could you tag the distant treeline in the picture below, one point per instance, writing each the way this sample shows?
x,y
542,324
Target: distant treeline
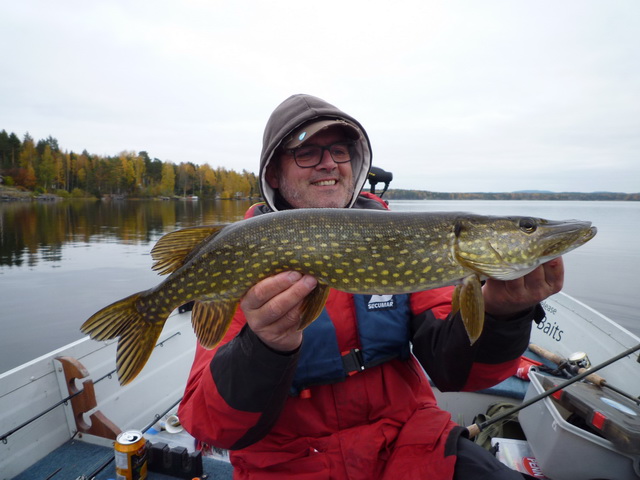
x,y
44,167
394,194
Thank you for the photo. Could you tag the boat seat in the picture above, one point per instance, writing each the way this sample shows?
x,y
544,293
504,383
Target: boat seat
x,y
514,387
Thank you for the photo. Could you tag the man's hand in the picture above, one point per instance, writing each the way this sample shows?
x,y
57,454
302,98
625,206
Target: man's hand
x,y
272,309
514,296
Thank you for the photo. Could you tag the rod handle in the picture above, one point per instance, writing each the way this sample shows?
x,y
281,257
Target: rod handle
x,y
558,360
473,430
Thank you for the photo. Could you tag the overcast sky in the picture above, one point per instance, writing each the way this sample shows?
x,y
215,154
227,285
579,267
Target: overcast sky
x,y
461,95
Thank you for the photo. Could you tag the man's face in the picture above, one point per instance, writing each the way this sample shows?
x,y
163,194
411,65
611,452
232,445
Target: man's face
x,y
327,185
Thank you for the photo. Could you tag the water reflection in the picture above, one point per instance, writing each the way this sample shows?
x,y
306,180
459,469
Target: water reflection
x,y
60,263
32,232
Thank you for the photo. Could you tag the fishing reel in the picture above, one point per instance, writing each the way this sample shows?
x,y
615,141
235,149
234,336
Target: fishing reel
x,y
568,367
579,360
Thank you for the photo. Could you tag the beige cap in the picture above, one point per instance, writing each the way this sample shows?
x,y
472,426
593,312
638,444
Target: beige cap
x,y
302,134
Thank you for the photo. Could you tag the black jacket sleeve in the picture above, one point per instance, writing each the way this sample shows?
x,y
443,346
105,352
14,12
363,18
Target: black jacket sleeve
x,y
443,349
252,377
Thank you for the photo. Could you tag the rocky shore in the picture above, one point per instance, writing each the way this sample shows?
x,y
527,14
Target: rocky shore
x,y
12,194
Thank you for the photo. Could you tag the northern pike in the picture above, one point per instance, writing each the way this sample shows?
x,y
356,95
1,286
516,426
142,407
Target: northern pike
x,y
356,251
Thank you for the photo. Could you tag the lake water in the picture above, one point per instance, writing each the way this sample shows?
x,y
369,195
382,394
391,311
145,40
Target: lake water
x,y
61,262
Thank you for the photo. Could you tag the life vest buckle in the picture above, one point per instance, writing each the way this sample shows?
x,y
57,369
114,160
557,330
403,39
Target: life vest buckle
x,y
353,361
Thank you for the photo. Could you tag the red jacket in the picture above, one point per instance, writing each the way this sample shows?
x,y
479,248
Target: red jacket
x,y
380,423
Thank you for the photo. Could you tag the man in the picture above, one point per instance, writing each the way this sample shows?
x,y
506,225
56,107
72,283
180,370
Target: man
x,y
346,398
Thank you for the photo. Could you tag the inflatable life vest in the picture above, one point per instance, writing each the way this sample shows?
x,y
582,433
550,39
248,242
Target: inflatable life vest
x,y
383,331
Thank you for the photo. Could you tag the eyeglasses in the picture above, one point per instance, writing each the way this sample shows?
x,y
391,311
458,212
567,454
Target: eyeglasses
x,y
310,156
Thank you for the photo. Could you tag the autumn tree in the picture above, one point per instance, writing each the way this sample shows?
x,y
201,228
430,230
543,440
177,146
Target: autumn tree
x,y
254,187
100,173
206,178
168,181
126,174
63,170
186,177
44,165
232,184
80,170
46,172
28,154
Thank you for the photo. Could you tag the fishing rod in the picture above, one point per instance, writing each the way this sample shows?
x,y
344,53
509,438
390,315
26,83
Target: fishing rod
x,y
4,437
568,366
476,428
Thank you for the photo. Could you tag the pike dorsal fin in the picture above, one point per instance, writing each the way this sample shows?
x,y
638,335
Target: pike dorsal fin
x,y
211,320
173,249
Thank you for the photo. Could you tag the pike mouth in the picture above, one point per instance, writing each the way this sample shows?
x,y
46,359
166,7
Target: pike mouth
x,y
582,233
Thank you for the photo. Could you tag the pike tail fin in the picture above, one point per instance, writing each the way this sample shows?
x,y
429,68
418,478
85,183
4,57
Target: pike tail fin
x,y
137,335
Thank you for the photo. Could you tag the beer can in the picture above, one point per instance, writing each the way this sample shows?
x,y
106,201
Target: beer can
x,y
131,456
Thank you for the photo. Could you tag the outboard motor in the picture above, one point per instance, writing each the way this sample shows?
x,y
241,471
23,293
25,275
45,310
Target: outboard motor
x,y
378,175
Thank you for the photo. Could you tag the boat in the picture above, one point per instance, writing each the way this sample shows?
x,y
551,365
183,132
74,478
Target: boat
x,y
59,413
562,450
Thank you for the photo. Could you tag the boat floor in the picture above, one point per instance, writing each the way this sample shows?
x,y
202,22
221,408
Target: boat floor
x,y
79,460
76,459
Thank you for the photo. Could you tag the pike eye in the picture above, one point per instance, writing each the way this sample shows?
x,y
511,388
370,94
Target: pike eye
x,y
528,225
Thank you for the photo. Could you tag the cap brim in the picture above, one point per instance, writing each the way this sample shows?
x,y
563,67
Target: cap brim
x,y
303,134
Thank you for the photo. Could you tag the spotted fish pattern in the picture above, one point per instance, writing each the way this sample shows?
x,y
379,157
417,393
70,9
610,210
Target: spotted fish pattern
x,y
356,251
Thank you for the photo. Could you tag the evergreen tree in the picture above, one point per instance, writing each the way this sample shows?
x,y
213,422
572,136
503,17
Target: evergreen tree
x,y
15,146
5,150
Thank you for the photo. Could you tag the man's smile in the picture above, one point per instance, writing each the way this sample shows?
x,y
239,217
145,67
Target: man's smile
x,y
325,183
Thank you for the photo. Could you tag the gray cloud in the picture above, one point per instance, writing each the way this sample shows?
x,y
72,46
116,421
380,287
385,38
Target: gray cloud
x,y
456,96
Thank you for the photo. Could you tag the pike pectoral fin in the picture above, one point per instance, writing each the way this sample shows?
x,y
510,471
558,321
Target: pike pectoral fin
x,y
313,304
211,320
471,303
173,249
